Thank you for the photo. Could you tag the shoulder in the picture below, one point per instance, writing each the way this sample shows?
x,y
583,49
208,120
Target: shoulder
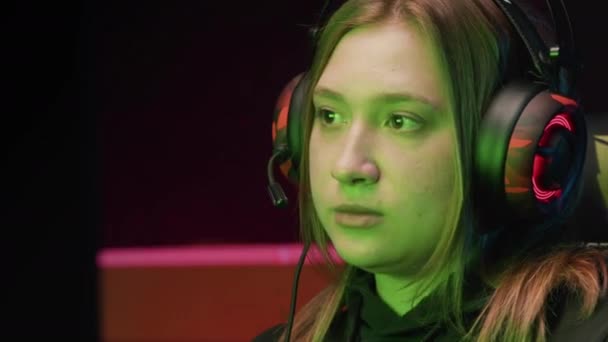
x,y
571,327
271,334
569,323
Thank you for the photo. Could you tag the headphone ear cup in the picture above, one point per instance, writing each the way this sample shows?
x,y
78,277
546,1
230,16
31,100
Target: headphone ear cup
x,y
528,157
287,125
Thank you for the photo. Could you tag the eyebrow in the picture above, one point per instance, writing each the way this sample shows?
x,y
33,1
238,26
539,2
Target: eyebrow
x,y
382,97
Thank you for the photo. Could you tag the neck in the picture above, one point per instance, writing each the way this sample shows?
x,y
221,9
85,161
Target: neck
x,y
399,293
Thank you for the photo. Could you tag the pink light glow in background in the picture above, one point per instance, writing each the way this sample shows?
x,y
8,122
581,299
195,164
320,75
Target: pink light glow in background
x,y
209,255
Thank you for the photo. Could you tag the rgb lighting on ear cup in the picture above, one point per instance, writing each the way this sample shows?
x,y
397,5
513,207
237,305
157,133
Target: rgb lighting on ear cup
x,y
286,134
283,127
529,155
553,158
281,112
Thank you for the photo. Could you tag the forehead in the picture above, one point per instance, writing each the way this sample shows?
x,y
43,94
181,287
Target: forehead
x,y
384,58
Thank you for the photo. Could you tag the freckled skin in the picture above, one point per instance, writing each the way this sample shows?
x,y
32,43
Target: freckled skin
x,y
407,175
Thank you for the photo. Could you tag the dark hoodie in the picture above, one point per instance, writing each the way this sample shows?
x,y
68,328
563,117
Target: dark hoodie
x,y
366,317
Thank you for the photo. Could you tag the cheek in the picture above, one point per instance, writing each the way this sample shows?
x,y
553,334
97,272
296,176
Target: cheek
x,y
425,173
437,175
425,202
428,175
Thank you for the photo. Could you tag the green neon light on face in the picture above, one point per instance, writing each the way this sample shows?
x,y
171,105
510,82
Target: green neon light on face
x,y
399,122
360,153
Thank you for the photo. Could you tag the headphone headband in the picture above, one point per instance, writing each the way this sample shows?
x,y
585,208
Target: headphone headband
x,y
561,20
538,51
556,64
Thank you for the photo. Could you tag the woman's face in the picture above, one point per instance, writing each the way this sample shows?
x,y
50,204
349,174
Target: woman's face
x,y
383,138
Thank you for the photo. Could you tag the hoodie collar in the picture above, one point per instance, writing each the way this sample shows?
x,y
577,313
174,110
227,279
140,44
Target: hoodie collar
x,y
377,320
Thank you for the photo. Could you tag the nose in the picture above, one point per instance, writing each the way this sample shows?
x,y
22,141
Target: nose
x,y
355,165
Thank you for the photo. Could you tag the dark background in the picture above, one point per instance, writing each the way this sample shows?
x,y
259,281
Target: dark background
x,y
148,123
186,93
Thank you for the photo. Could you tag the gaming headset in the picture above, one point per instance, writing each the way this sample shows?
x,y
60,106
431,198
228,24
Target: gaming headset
x,y
531,144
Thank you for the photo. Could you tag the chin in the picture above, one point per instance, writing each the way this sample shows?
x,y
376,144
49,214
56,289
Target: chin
x,y
370,260
359,256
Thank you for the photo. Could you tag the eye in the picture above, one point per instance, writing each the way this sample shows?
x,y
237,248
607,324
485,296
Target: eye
x,y
404,123
327,116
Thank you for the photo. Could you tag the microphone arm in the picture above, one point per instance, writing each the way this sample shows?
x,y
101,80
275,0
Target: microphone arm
x,y
277,195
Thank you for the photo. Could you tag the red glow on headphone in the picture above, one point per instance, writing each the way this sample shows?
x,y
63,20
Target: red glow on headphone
x,y
282,107
544,195
560,120
542,163
566,101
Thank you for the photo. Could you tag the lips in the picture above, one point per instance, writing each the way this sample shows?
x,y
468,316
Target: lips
x,y
357,209
357,220
357,216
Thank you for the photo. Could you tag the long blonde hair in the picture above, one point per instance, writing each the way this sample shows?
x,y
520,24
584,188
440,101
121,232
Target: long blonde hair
x,y
468,36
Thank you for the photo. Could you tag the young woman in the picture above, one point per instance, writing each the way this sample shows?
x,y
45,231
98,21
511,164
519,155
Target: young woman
x,y
396,95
